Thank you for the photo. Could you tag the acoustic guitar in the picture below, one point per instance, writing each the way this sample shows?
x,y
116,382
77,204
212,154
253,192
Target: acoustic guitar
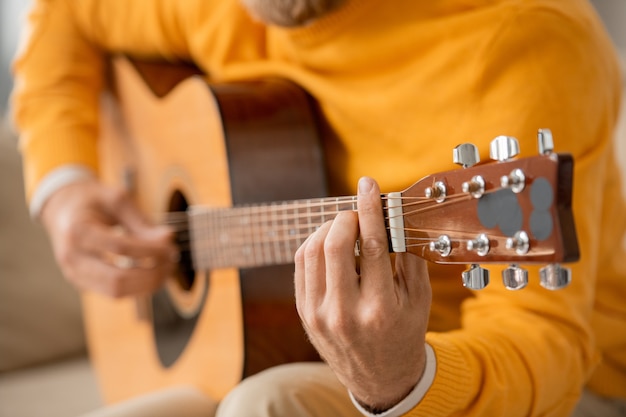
x,y
237,170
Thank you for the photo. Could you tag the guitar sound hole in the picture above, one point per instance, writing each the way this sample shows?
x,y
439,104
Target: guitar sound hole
x,y
186,275
176,308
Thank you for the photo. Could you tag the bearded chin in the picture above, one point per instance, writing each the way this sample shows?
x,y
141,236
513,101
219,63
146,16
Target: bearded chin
x,y
290,13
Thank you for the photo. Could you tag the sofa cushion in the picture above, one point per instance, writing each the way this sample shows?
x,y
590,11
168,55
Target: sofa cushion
x,y
40,317
57,389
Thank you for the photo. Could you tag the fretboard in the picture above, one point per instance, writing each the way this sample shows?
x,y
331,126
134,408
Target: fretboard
x,y
257,235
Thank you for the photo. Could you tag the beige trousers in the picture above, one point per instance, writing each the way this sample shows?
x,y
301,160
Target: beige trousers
x,y
592,405
301,389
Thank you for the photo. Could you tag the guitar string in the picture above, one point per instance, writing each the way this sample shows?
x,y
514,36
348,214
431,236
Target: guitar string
x,y
279,211
179,220
290,207
262,226
300,237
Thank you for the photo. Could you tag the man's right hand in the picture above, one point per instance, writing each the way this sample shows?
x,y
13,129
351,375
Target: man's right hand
x,y
103,243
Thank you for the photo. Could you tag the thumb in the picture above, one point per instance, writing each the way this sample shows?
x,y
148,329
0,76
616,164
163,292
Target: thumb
x,y
132,219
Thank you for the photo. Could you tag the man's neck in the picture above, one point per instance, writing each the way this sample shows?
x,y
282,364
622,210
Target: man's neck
x,y
290,13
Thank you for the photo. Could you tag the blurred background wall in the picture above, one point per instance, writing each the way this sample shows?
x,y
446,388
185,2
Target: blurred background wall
x,y
614,14
11,20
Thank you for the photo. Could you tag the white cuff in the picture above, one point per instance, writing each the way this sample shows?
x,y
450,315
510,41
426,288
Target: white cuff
x,y
415,396
55,180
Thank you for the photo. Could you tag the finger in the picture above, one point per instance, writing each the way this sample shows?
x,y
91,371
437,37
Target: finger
x,y
126,213
136,237
98,239
299,276
315,268
342,280
374,263
412,276
120,207
91,273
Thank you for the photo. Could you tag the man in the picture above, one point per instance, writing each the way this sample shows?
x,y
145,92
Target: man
x,y
400,83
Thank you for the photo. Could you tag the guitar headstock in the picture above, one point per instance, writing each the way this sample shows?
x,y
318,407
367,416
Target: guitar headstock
x,y
513,210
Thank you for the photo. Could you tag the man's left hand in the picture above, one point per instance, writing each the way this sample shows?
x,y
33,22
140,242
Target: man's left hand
x,y
367,321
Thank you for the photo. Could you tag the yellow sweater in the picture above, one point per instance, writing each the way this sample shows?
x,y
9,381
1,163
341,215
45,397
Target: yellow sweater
x,y
401,82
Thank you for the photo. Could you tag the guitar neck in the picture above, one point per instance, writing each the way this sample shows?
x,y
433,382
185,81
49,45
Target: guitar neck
x,y
258,235
516,211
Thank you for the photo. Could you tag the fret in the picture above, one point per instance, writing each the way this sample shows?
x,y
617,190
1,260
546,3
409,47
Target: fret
x,y
248,248
286,234
223,237
258,235
297,209
207,252
211,245
308,217
272,233
283,234
237,236
206,247
248,237
267,245
318,215
254,238
214,233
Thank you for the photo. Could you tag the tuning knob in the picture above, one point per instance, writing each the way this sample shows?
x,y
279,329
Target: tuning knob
x,y
514,278
503,148
443,245
520,242
545,141
474,187
466,155
480,245
555,277
475,278
516,181
437,192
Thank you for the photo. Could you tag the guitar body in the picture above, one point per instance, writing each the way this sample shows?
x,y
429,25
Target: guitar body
x,y
215,146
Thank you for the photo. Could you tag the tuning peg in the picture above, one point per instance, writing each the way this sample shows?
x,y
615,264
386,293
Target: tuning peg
x,y
555,277
480,245
438,191
466,155
503,148
545,141
514,278
474,187
516,180
475,278
443,245
520,242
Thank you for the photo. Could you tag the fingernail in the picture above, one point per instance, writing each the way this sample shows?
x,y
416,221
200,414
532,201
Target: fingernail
x,y
365,185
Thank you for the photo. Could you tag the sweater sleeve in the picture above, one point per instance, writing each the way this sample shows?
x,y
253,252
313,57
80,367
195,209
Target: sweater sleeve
x,y
58,74
529,352
60,69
